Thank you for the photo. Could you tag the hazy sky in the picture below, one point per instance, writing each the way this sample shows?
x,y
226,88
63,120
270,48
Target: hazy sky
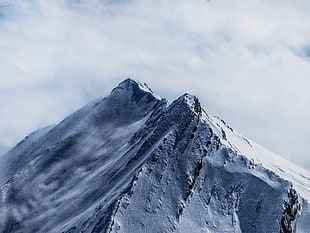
x,y
247,61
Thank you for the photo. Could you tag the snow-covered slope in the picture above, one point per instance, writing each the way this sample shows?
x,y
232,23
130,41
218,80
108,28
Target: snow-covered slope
x,y
133,163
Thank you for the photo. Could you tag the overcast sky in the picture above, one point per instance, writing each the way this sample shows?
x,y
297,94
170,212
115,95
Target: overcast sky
x,y
247,61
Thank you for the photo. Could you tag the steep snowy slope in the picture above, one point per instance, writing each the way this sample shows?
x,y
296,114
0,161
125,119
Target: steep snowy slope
x,y
133,163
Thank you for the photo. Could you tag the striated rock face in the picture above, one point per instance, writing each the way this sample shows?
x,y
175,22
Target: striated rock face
x,y
290,212
131,162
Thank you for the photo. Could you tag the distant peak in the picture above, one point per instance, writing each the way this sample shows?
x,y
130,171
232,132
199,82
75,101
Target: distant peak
x,y
191,101
131,90
128,82
131,84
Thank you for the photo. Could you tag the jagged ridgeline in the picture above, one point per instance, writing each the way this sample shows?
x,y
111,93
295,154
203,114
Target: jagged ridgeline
x,y
131,162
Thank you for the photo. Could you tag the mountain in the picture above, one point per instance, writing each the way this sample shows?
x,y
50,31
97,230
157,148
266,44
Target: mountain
x,y
3,149
132,162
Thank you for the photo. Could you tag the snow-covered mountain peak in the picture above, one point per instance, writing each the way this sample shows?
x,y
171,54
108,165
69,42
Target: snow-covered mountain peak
x,y
129,82
131,163
191,102
135,89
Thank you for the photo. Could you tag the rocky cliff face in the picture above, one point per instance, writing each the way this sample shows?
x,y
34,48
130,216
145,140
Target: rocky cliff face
x,y
131,162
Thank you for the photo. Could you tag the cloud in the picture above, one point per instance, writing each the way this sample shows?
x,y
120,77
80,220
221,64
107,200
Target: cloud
x,y
247,61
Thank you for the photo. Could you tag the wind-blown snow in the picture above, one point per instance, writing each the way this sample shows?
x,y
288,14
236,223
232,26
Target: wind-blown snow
x,y
287,170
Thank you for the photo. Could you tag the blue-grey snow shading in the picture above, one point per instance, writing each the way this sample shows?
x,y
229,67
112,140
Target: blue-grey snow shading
x,y
133,163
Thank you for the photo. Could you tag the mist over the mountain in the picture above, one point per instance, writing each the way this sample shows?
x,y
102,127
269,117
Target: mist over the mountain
x,y
247,61
3,149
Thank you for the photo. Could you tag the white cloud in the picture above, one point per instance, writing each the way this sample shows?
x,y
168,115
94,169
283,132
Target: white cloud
x,y
246,60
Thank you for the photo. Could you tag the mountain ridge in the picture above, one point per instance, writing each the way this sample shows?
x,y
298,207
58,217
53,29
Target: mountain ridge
x,y
132,162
